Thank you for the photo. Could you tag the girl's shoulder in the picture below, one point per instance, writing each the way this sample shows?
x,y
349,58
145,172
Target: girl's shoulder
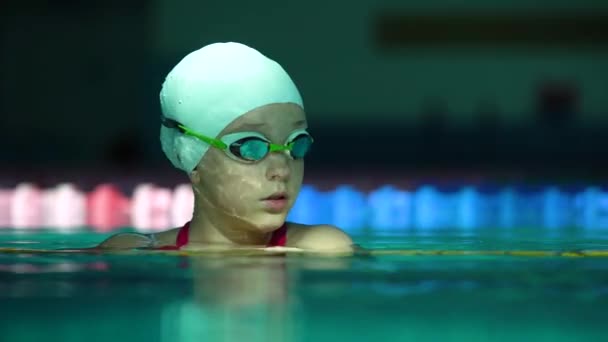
x,y
321,237
139,240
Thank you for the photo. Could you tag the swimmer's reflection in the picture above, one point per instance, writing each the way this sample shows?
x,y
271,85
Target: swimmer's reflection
x,y
234,299
242,299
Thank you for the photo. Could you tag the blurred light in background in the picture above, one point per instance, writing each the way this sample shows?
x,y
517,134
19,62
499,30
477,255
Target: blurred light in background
x,y
154,208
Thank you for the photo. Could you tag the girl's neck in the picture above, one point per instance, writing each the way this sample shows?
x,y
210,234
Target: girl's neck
x,y
209,229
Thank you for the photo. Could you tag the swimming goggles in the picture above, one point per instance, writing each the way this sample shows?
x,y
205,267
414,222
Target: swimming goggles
x,y
250,146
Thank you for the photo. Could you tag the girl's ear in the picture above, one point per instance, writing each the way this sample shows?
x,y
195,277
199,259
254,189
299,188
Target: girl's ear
x,y
195,179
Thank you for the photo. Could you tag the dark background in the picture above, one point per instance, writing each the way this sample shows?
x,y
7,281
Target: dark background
x,y
395,91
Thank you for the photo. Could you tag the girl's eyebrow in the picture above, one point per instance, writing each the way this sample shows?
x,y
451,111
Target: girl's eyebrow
x,y
299,123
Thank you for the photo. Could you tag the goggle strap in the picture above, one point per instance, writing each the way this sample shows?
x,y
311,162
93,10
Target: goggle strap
x,y
213,142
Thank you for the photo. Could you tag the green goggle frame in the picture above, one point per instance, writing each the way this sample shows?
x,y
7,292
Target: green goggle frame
x,y
250,146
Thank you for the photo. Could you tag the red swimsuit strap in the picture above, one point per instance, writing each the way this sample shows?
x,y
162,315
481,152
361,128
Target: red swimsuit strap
x,y
278,238
183,236
180,241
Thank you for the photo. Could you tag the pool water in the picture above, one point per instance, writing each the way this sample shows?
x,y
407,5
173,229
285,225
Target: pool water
x,y
389,294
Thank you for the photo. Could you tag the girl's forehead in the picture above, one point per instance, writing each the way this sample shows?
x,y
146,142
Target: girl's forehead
x,y
275,117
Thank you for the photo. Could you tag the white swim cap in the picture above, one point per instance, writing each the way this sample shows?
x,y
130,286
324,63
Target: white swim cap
x,y
210,88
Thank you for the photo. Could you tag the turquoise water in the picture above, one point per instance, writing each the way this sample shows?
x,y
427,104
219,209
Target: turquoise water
x,y
388,297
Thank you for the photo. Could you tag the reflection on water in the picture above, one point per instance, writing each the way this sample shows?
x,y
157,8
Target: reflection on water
x,y
233,300
152,297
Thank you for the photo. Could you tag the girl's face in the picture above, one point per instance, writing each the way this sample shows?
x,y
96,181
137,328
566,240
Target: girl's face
x,y
257,195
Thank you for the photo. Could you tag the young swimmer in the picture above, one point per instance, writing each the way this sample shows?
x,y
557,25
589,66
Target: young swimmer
x,y
234,121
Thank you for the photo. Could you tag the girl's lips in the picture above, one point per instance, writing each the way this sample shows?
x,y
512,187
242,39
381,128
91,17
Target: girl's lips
x,y
275,205
276,202
276,196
